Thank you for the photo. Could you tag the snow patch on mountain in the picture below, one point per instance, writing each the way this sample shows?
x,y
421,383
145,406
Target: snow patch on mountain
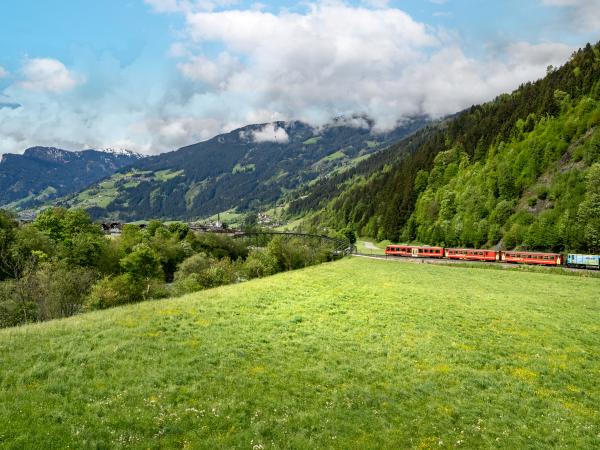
x,y
122,152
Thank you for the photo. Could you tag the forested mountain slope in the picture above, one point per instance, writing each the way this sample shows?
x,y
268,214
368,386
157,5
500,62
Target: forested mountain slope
x,y
44,173
522,171
248,168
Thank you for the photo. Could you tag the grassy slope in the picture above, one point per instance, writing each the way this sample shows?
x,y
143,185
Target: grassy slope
x,y
353,354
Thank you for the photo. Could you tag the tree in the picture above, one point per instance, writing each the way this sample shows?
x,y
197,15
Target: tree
x,y
260,264
7,238
193,265
350,235
62,224
179,230
589,210
143,264
115,291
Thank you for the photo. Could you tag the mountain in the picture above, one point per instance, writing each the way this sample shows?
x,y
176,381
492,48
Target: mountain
x,y
44,173
522,171
248,168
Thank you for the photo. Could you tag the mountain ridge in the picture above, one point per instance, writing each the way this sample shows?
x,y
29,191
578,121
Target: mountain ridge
x,y
41,174
247,168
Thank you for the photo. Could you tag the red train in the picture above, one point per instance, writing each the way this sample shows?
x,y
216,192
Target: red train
x,y
469,254
415,251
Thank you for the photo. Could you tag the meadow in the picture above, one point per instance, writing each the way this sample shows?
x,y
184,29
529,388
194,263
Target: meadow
x,y
357,353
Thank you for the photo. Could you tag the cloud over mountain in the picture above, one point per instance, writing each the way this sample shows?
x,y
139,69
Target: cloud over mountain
x,y
579,13
341,59
231,63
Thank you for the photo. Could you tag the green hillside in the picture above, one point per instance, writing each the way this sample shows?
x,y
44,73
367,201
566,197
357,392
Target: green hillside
x,y
43,174
241,170
519,172
353,354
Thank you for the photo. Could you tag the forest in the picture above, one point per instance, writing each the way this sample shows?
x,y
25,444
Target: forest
x,y
521,172
63,264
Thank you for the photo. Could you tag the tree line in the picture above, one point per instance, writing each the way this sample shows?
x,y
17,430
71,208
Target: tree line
x,y
63,264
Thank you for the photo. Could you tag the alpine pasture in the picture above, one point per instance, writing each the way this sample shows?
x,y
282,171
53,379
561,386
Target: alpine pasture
x,y
353,354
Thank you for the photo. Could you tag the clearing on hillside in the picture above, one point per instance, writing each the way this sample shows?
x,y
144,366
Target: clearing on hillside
x,y
354,354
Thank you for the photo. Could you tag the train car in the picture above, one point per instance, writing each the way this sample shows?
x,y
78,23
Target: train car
x,y
414,251
543,259
469,254
583,261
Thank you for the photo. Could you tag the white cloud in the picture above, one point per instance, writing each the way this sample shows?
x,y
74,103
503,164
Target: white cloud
x,y
169,6
332,59
339,59
215,73
3,72
377,3
268,133
48,75
579,14
172,6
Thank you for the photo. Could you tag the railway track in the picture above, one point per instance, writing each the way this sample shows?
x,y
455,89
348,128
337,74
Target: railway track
x,y
450,262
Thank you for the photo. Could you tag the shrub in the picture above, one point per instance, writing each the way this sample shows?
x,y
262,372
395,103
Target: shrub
x,y
61,289
186,284
218,246
15,309
50,292
193,265
293,253
221,272
260,264
114,291
143,263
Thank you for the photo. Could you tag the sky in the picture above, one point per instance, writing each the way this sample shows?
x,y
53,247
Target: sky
x,y
154,75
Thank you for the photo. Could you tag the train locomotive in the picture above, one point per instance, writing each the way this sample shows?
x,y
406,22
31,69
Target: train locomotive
x,y
516,257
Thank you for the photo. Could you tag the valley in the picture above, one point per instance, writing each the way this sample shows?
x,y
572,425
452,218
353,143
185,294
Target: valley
x,y
234,171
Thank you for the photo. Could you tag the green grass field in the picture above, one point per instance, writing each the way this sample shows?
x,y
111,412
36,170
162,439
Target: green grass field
x,y
353,354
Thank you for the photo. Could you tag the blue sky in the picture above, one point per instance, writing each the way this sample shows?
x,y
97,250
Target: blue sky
x,y
153,75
